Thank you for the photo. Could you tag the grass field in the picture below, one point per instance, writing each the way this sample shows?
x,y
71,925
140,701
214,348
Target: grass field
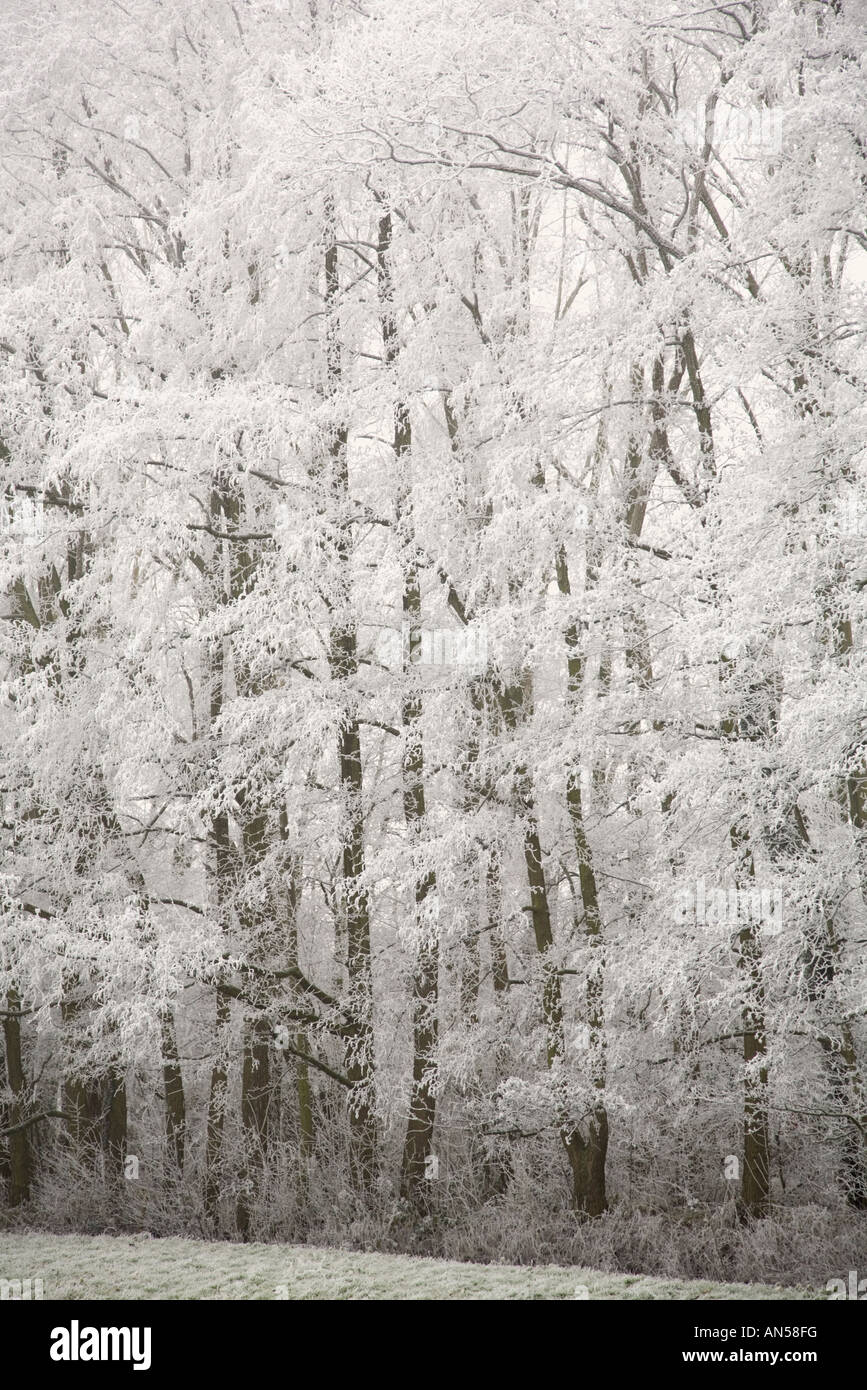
x,y
139,1267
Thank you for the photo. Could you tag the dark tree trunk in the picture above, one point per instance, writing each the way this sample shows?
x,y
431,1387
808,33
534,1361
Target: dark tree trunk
x,y
343,661
19,1167
174,1112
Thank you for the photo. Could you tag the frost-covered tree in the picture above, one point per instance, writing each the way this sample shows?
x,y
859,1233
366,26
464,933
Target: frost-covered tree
x,y
432,573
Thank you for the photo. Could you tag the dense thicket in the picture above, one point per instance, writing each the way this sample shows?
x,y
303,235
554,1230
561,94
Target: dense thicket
x,y
432,668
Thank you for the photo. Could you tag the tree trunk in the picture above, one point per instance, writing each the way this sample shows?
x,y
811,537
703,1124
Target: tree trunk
x,y
343,660
256,1103
588,1161
755,1180
224,515
174,1113
418,1143
303,1093
20,1164
216,1112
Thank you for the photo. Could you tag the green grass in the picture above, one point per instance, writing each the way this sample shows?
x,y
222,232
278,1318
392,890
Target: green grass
x,y
138,1267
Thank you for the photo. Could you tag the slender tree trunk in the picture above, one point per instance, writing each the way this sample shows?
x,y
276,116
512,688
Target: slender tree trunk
x,y
755,1188
755,1180
343,660
499,957
259,1098
303,1092
216,1111
224,515
418,1143
174,1113
20,1166
588,1164
497,1167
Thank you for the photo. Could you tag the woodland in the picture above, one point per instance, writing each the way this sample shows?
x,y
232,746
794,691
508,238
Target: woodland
x,y
433,598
